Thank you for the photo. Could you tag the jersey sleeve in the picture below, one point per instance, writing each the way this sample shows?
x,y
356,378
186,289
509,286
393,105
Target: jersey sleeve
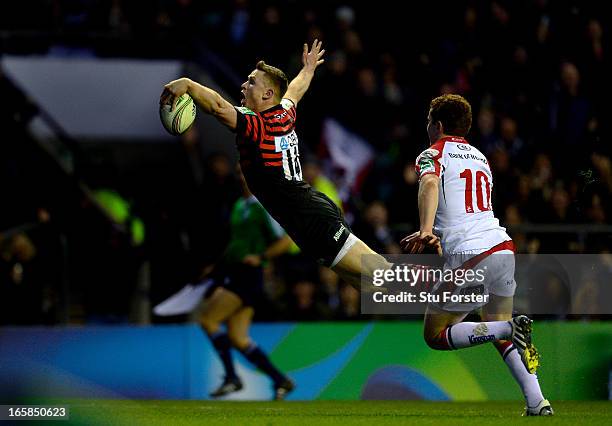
x,y
249,124
289,106
430,161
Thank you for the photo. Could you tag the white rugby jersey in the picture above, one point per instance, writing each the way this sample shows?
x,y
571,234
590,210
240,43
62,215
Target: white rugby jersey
x,y
464,219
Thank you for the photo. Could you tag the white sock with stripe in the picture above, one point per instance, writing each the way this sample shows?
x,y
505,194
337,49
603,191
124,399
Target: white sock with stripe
x,y
528,382
466,334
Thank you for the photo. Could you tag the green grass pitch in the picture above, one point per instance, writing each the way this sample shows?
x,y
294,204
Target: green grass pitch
x,y
314,413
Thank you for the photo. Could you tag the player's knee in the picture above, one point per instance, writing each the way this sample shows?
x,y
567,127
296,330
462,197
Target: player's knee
x,y
209,325
432,342
239,342
436,340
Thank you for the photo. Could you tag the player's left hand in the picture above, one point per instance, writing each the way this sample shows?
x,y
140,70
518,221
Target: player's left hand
x,y
417,242
253,260
312,59
172,91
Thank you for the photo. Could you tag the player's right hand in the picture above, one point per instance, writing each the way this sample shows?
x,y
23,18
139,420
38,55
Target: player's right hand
x,y
172,91
312,59
417,242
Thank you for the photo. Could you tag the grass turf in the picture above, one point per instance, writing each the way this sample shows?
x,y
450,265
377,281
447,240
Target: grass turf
x,y
175,413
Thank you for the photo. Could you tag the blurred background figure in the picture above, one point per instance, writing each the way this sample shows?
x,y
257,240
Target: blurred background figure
x,y
375,230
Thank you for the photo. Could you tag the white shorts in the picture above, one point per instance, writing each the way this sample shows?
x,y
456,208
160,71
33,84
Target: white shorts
x,y
350,242
492,274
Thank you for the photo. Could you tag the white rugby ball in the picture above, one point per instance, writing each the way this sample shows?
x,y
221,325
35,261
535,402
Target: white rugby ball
x,y
178,121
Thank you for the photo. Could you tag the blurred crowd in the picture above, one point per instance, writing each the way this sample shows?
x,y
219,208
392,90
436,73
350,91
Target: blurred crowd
x,y
535,72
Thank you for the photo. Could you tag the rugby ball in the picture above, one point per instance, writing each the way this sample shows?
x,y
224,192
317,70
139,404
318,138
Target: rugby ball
x,y
178,121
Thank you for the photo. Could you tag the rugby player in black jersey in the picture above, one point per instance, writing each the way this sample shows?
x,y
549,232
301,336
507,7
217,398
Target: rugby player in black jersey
x,y
269,157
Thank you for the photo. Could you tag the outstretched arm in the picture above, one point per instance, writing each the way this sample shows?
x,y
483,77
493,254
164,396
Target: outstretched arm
x,y
428,202
311,60
207,99
428,205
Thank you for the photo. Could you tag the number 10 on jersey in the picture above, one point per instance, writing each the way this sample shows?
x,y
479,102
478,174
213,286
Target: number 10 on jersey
x,y
483,203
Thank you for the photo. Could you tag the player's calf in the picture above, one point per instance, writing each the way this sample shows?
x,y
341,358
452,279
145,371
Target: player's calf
x,y
259,358
209,325
467,334
528,382
239,342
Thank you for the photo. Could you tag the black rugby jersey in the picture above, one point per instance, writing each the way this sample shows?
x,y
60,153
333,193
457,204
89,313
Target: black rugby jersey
x,y
270,160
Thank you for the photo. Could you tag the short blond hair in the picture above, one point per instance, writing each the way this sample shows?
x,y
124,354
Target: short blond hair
x,y
275,76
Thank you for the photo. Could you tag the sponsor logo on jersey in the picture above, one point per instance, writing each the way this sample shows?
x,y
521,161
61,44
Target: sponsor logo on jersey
x,y
464,147
339,233
245,110
467,156
279,116
427,165
283,143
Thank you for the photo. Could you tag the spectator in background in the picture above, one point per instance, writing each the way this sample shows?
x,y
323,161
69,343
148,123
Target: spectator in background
x,y
21,281
559,206
603,171
208,217
405,188
270,35
372,107
591,56
392,92
336,80
509,139
570,111
486,136
349,307
375,231
505,178
234,22
304,302
538,187
596,212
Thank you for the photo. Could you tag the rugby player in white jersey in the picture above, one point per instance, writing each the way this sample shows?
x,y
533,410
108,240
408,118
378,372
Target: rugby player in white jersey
x,y
456,216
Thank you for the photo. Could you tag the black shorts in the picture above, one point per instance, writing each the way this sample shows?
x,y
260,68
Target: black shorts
x,y
319,228
244,281
310,218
